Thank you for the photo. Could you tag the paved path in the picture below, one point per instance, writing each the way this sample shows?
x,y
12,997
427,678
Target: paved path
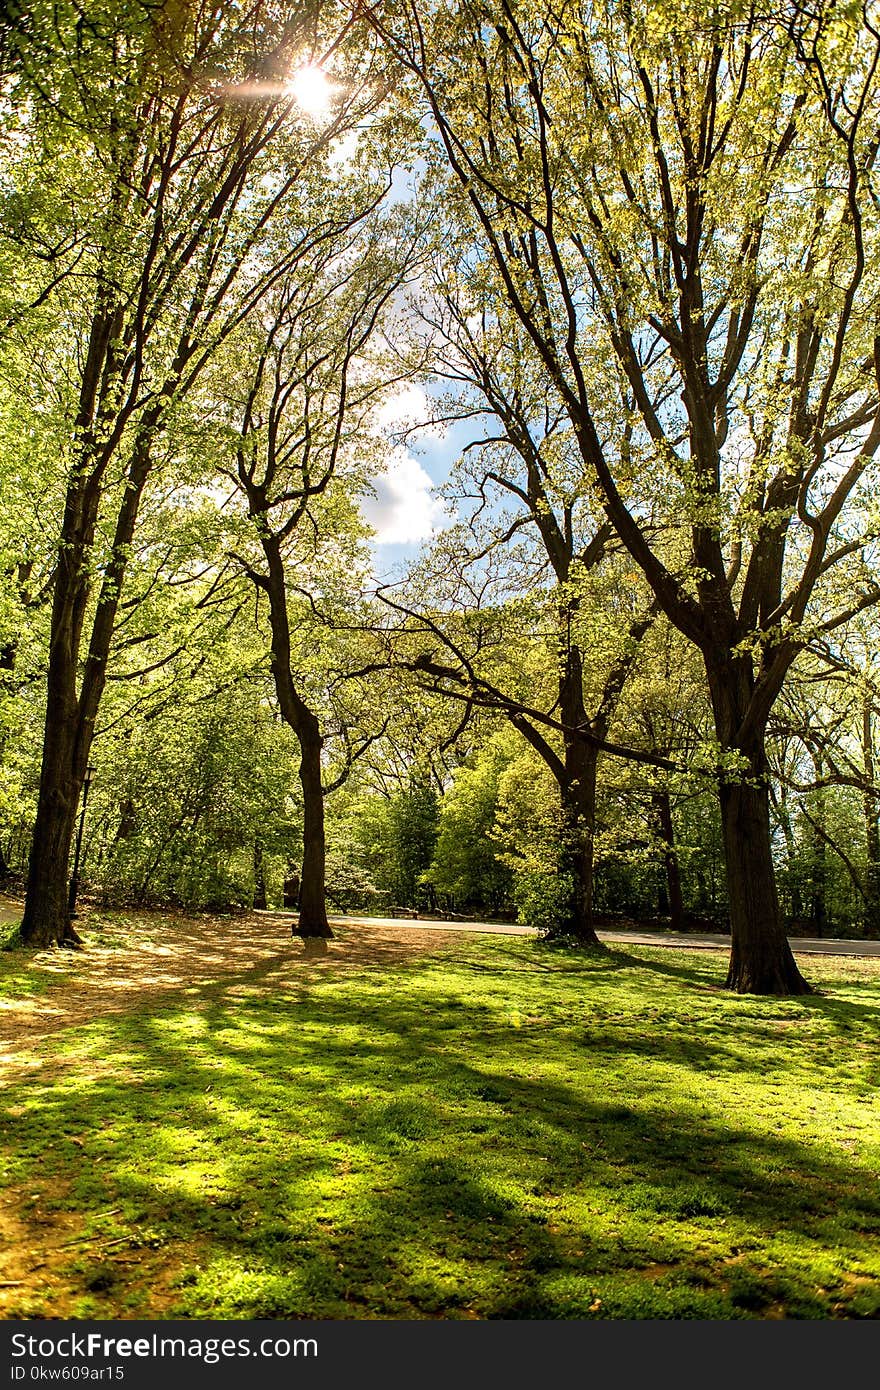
x,y
10,911
802,945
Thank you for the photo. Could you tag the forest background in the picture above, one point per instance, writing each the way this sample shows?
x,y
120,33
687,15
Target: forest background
x,y
613,271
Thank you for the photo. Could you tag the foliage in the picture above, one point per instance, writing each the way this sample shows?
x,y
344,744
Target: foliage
x,y
549,271
409,821
180,805
466,866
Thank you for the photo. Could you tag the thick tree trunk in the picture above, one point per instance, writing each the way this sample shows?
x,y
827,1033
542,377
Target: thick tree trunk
x,y
674,902
46,920
70,716
761,961
46,917
577,858
312,901
46,914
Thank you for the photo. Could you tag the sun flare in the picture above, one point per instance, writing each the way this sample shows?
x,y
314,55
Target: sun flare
x,y
311,90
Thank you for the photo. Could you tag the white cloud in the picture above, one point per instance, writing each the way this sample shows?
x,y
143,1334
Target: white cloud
x,y
403,510
408,407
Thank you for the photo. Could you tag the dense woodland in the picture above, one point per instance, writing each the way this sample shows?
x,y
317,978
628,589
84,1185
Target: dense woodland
x,y
628,256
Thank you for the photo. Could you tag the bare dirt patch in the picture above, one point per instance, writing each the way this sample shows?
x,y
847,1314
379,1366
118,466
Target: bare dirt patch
x,y
48,1263
161,958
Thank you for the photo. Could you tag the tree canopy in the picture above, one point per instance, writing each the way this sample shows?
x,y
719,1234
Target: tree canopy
x,y
626,259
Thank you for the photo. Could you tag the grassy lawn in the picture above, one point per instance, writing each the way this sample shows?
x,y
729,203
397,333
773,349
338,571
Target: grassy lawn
x,y
499,1131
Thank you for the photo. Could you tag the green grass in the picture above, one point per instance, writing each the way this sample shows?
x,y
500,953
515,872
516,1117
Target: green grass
x,y
500,1131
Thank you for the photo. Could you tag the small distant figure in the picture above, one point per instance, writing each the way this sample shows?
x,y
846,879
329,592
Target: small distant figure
x,y
291,890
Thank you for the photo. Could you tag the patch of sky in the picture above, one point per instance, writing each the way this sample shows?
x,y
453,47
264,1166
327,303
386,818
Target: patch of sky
x,y
406,508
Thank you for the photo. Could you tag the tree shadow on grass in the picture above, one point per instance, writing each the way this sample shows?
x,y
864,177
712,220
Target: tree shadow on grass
x,y
824,1001
845,1012
705,978
337,1157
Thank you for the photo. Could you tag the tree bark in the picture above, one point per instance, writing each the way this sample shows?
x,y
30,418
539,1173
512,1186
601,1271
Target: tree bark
x,y
312,901
8,653
46,916
304,723
577,791
69,727
576,861
259,900
71,714
761,961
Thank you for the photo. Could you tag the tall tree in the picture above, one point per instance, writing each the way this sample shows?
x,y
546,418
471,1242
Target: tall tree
x,y
186,125
525,658
677,203
302,454
531,522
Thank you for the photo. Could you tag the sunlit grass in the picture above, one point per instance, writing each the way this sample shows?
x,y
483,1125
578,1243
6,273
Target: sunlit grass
x,y
499,1131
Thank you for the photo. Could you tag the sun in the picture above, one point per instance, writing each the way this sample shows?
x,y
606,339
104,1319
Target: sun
x,y
311,90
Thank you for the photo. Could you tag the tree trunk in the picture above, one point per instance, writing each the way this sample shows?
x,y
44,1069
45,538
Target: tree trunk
x,y
7,665
259,876
576,861
312,902
297,715
70,716
675,904
761,961
872,829
46,917
291,890
46,914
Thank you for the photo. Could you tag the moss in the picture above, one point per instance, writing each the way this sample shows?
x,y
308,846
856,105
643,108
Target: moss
x,y
501,1130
